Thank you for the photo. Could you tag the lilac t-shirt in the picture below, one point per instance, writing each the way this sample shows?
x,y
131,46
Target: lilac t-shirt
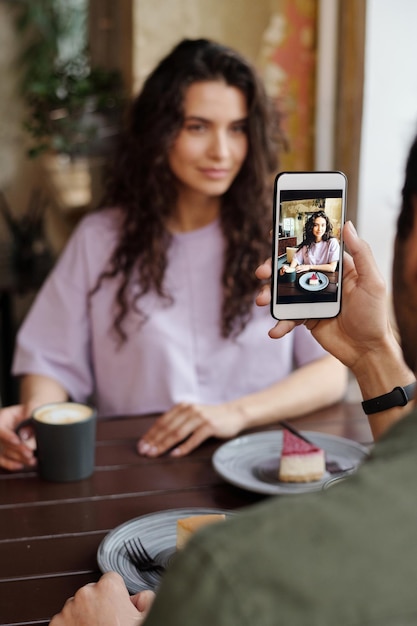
x,y
319,253
177,355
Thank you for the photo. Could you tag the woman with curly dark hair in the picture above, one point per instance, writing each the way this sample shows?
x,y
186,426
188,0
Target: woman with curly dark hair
x,y
319,249
184,223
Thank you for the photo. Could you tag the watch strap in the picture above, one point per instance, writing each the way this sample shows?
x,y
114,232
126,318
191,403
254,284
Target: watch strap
x,y
399,396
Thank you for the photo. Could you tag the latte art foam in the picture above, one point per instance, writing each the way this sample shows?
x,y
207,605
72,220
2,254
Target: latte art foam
x,y
62,413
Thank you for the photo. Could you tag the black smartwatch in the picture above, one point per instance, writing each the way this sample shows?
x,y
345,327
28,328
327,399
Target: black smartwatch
x,y
399,396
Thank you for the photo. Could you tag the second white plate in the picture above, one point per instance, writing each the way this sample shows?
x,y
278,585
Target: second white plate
x,y
157,532
252,461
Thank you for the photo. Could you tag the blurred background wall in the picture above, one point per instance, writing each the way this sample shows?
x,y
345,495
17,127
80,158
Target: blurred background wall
x,y
389,121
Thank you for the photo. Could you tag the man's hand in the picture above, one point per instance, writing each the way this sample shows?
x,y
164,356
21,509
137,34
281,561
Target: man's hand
x,y
363,321
105,603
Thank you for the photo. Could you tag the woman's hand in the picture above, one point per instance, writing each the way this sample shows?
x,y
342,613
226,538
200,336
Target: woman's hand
x,y
15,453
186,426
105,603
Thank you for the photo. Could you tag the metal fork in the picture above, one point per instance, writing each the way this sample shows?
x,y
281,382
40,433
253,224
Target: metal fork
x,y
140,558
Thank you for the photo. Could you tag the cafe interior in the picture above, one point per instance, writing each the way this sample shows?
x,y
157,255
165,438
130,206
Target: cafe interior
x,y
321,60
325,63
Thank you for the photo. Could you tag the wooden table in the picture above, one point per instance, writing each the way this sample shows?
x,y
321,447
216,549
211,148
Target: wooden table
x,y
293,293
50,532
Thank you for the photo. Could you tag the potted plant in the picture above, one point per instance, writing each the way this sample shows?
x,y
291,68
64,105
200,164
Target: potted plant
x,y
74,108
31,257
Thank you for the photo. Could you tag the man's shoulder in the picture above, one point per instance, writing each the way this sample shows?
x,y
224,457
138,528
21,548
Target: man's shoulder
x,y
290,559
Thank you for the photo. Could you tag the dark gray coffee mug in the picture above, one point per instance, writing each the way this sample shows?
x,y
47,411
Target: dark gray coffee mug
x,y
288,276
65,434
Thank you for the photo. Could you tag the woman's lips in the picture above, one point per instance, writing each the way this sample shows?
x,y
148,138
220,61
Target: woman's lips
x,y
215,174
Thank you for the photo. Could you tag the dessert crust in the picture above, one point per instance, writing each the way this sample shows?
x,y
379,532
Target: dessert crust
x,y
186,526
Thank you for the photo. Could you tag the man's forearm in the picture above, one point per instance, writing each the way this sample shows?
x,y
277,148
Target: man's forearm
x,y
378,373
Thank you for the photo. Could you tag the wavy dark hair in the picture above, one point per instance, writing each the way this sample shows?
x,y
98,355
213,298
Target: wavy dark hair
x,y
405,220
141,183
309,237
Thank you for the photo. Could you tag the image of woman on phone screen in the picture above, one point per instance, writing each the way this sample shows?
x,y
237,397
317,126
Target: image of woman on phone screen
x,y
319,249
150,308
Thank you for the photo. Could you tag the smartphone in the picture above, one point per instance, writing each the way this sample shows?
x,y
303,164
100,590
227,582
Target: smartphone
x,y
307,252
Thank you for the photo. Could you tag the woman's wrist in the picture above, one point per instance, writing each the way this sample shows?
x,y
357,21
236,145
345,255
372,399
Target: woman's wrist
x,y
251,413
36,390
243,416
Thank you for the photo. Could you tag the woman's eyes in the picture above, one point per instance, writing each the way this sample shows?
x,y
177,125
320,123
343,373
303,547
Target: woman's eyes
x,y
200,127
240,128
196,127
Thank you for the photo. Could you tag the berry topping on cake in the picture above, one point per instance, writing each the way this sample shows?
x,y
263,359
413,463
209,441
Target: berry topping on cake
x,y
314,279
301,461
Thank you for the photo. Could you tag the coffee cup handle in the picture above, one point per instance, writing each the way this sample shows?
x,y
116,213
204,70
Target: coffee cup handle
x,y
27,422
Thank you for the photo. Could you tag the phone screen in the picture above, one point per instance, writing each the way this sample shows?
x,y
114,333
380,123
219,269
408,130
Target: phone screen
x,y
309,213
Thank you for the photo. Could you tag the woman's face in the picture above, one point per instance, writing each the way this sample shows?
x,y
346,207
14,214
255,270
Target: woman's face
x,y
212,144
319,228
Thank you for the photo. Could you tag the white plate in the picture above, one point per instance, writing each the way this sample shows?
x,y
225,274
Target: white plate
x,y
303,282
252,461
158,534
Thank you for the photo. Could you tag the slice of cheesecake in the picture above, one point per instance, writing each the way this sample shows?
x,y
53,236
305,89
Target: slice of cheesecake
x,y
301,462
187,526
314,280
